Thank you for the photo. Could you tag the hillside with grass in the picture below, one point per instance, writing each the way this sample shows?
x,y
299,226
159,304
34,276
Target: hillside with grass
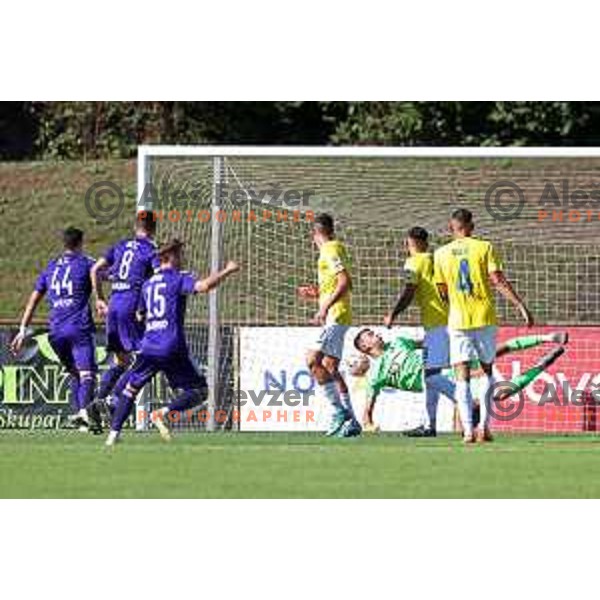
x,y
37,201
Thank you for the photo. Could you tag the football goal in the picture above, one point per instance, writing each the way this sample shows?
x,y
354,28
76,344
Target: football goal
x,y
539,207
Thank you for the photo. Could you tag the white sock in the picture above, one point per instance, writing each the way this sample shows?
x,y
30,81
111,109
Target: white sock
x,y
113,436
331,393
160,412
464,399
486,388
83,413
347,404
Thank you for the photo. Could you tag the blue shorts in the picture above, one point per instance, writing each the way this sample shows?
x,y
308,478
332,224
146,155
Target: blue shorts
x,y
75,352
123,331
180,371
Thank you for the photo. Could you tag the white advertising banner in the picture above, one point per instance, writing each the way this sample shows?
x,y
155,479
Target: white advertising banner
x,y
278,392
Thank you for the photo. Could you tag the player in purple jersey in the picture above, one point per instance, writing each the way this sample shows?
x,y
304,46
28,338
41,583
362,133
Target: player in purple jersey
x,y
164,347
129,263
66,284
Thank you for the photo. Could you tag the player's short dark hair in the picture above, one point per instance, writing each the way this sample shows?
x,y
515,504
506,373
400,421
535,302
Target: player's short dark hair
x,y
358,336
72,238
463,216
169,248
419,234
146,221
324,222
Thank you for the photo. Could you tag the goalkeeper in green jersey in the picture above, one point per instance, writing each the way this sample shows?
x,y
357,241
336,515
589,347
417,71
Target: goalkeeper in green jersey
x,y
399,365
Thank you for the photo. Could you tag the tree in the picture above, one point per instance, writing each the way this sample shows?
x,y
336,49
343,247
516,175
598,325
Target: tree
x,y
467,123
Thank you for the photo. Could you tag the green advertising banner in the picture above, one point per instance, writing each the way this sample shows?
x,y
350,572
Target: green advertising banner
x,y
35,392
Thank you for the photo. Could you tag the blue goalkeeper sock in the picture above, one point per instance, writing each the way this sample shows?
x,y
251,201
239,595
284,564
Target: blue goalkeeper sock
x,y
432,399
330,392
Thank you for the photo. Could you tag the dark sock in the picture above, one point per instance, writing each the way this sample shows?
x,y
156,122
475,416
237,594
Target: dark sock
x,y
109,379
186,400
86,391
124,404
74,386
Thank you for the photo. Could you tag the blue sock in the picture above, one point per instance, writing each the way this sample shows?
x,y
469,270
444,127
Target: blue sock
x,y
109,380
85,393
124,405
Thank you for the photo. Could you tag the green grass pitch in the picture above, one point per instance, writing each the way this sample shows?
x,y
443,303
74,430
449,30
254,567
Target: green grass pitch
x,y
243,465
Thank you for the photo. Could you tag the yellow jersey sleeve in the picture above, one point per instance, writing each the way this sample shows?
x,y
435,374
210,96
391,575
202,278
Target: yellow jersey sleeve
x,y
410,271
438,272
334,258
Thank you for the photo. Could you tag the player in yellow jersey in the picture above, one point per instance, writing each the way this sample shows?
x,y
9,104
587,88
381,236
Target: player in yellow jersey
x,y
466,271
334,316
420,288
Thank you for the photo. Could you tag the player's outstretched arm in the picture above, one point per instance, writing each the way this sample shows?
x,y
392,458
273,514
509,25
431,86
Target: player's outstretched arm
x,y
101,305
402,303
204,286
368,412
504,286
34,299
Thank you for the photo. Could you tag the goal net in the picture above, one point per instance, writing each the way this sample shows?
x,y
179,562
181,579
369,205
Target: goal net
x,y
255,205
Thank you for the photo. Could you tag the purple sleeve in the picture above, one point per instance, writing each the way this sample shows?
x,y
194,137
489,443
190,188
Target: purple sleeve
x,y
41,284
109,255
186,287
141,304
154,263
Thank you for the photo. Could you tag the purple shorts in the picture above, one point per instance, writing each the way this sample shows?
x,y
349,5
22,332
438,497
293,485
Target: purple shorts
x,y
75,352
179,370
123,331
